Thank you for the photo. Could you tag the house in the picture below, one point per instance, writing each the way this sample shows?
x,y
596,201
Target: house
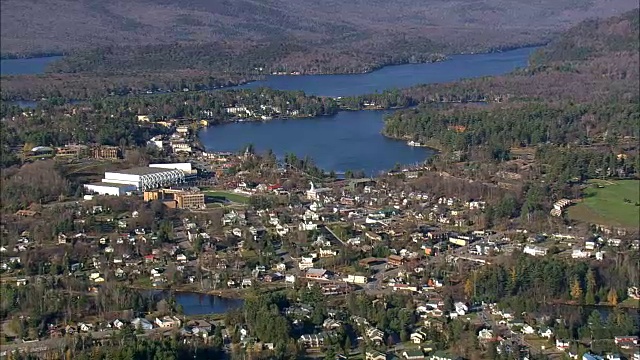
x,y
461,308
528,329
313,340
415,354
203,325
562,344
375,335
181,258
535,250
546,332
485,335
441,355
418,337
375,355
331,324
316,274
245,283
589,356
168,321
307,226
118,324
395,260
620,340
142,324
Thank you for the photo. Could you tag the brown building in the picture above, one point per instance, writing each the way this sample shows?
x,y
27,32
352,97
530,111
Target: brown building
x,y
395,260
106,152
189,200
78,151
183,199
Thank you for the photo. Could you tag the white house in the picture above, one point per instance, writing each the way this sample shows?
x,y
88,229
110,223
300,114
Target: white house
x,y
562,344
375,335
546,332
485,334
535,250
528,329
168,321
418,337
142,323
307,226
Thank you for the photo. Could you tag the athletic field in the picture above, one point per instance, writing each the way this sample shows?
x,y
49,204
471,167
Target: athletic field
x,y
612,203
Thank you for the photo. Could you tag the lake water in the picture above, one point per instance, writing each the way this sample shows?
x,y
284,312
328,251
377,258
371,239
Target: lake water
x,y
352,140
400,76
202,304
198,304
26,66
346,141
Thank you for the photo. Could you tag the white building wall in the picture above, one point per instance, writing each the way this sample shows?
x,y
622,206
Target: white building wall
x,y
108,190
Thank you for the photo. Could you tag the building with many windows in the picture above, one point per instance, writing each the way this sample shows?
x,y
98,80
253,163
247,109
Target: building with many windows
x,y
136,179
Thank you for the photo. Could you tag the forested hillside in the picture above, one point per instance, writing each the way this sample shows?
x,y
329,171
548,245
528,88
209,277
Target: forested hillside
x,y
576,112
32,26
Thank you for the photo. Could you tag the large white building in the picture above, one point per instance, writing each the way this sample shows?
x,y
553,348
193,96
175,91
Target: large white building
x,y
104,188
136,179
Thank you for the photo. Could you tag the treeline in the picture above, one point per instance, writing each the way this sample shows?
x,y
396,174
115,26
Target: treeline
x,y
89,85
56,127
530,281
211,105
502,127
249,57
123,70
262,316
593,38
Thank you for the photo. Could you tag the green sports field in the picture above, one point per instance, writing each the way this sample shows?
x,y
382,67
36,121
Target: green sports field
x,y
604,203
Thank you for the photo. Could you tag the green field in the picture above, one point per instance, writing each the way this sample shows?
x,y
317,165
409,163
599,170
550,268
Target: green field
x,y
604,203
233,197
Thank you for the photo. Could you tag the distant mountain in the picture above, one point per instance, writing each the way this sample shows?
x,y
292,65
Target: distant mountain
x,y
594,38
38,26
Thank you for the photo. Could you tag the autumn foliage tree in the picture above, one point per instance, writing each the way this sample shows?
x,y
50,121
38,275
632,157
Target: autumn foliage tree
x,y
576,290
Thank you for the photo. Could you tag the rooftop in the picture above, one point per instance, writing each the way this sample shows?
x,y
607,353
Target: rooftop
x,y
141,171
316,272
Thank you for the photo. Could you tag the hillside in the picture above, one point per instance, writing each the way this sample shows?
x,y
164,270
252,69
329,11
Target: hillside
x,y
32,26
566,95
593,38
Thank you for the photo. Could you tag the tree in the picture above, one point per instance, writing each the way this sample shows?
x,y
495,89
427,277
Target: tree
x,y
590,297
576,290
468,288
612,297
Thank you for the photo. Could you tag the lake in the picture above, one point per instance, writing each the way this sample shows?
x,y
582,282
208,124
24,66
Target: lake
x,y
202,304
400,76
198,304
349,140
26,66
352,140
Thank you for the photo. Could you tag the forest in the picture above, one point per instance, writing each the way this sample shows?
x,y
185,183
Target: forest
x,y
502,126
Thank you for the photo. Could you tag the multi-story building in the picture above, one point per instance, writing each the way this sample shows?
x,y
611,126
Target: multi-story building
x,y
106,152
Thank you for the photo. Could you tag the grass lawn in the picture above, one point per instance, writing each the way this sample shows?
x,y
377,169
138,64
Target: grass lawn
x,y
233,197
632,303
603,203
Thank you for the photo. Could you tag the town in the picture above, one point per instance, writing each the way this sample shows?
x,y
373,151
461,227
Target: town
x,y
232,226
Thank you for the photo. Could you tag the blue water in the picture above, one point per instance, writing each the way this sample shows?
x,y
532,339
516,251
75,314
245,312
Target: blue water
x,y
26,66
202,304
346,141
197,303
400,76
352,140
